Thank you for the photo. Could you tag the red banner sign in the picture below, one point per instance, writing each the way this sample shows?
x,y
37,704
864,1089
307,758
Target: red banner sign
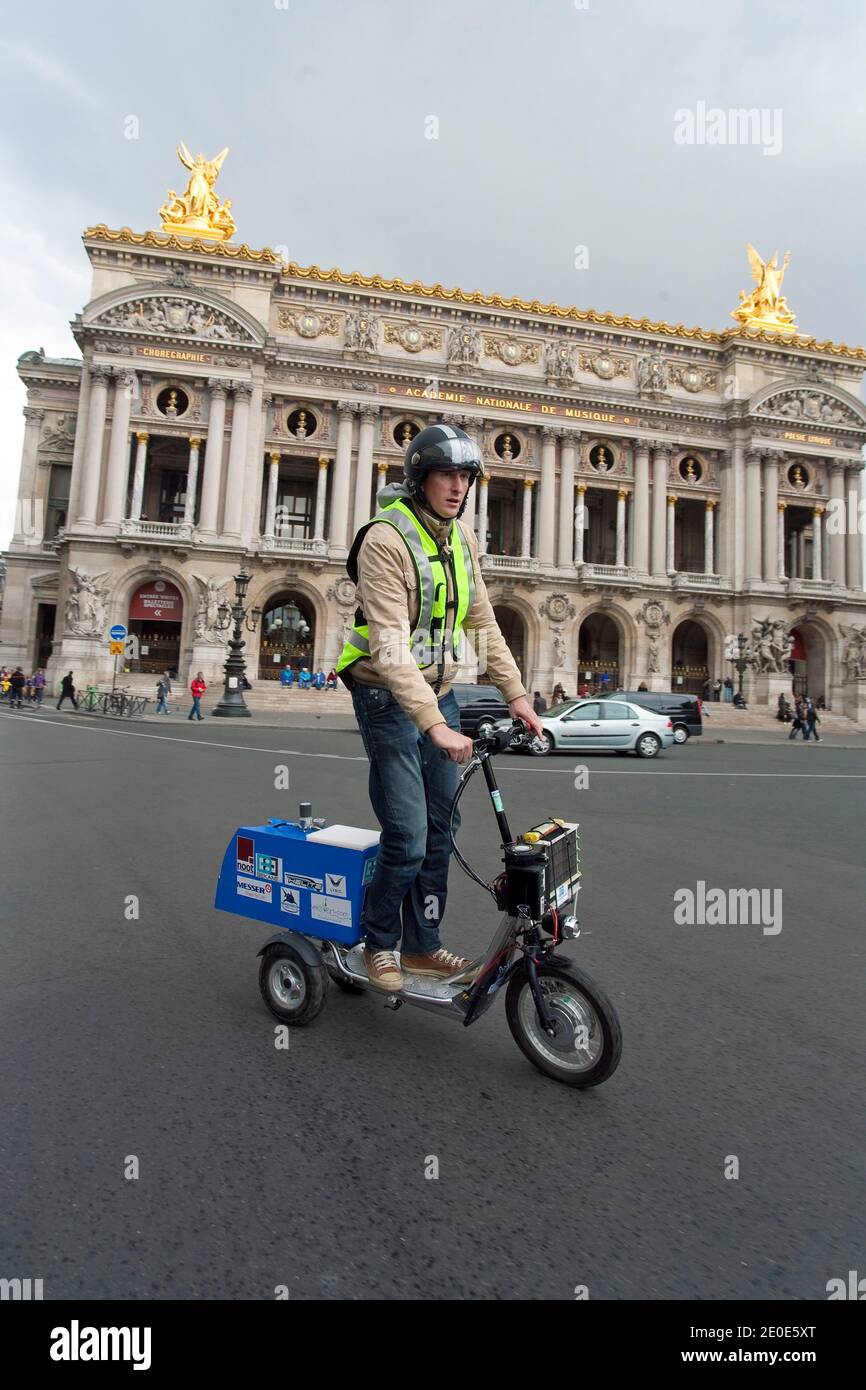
x,y
158,601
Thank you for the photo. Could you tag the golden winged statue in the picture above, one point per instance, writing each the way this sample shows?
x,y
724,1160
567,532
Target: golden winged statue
x,y
198,211
766,306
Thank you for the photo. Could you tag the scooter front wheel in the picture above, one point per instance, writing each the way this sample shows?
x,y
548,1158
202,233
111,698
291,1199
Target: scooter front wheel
x,y
586,1044
293,990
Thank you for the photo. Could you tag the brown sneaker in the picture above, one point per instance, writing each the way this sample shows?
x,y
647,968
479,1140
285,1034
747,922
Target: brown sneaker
x,y
440,965
382,970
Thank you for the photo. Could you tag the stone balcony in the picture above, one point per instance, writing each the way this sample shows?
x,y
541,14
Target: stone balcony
x,y
693,579
172,531
808,588
510,564
293,545
607,574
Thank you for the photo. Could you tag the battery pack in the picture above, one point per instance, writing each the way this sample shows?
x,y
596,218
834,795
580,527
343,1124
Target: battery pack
x,y
543,868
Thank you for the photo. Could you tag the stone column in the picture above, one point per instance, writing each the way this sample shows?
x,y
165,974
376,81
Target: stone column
x,y
321,497
771,510
565,558
855,540
237,460
141,438
191,481
93,447
482,515
640,507
836,534
476,434
709,548
213,457
27,524
780,538
621,495
364,470
75,481
526,537
342,468
817,547
125,389
753,515
579,521
671,532
661,458
271,502
381,481
547,498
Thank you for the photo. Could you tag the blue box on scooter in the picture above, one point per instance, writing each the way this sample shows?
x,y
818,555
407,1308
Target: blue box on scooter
x,y
311,881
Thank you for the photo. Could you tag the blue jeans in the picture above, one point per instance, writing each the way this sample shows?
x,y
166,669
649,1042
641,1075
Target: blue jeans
x,y
412,783
196,707
162,705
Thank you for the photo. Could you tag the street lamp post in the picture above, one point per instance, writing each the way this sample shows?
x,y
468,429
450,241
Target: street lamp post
x,y
740,662
233,705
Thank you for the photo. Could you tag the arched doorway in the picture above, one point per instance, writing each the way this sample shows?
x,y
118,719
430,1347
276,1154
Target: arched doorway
x,y
599,656
690,668
288,635
155,617
513,629
807,662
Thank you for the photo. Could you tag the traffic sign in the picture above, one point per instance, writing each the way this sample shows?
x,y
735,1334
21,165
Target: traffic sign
x,y
118,633
116,648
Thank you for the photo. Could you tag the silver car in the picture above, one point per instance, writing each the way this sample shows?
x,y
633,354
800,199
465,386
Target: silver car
x,y
586,724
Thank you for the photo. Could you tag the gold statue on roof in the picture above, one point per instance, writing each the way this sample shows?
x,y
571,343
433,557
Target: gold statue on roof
x,y
766,306
198,211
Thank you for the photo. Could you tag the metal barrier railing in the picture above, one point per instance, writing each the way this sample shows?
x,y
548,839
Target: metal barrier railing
x,y
119,703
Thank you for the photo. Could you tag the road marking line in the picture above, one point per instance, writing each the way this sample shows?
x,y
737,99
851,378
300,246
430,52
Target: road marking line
x,y
502,767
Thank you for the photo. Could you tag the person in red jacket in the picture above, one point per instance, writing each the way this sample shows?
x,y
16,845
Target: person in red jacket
x,y
197,689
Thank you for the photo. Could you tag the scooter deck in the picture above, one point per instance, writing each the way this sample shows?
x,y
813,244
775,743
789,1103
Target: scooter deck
x,y
414,986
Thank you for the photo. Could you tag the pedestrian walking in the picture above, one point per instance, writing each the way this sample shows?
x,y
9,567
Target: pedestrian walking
x,y
37,685
811,721
539,704
163,690
17,682
197,688
728,687
799,722
717,689
67,691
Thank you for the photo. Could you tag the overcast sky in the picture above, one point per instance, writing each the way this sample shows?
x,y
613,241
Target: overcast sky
x,y
557,129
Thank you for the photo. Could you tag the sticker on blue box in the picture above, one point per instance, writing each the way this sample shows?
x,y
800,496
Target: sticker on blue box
x,y
370,869
290,901
268,866
336,884
336,910
303,881
254,888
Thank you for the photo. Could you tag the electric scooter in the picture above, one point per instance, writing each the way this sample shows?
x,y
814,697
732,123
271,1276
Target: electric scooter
x,y
310,879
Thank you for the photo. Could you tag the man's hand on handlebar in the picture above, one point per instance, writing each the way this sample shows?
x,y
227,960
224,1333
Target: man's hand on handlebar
x,y
522,709
457,746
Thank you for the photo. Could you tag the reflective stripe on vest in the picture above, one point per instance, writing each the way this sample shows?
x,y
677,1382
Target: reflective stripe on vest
x,y
432,589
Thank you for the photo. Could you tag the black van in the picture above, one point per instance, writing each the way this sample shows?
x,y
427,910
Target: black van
x,y
684,711
480,707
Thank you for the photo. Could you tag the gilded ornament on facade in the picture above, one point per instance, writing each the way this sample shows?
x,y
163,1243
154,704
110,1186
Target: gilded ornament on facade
x,y
766,307
308,324
198,211
512,351
604,365
412,337
692,378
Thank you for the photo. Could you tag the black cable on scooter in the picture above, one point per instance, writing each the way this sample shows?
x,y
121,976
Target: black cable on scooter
x,y
467,868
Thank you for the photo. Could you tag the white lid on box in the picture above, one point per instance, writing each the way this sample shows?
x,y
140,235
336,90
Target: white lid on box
x,y
345,837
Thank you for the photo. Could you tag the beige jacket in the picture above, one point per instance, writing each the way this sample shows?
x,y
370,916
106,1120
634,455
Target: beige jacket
x,y
387,592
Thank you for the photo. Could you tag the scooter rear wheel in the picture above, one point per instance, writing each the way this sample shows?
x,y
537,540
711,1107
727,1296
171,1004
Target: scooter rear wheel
x,y
587,1043
293,990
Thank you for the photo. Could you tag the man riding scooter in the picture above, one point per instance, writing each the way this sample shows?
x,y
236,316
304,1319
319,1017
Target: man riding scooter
x,y
419,584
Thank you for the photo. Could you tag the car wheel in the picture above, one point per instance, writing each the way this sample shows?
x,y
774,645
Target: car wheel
x,y
540,747
647,745
681,733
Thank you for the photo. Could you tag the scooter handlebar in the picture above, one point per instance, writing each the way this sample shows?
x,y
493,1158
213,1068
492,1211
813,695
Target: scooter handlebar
x,y
513,735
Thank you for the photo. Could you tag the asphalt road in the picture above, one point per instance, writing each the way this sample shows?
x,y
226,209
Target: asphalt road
x,y
260,1168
